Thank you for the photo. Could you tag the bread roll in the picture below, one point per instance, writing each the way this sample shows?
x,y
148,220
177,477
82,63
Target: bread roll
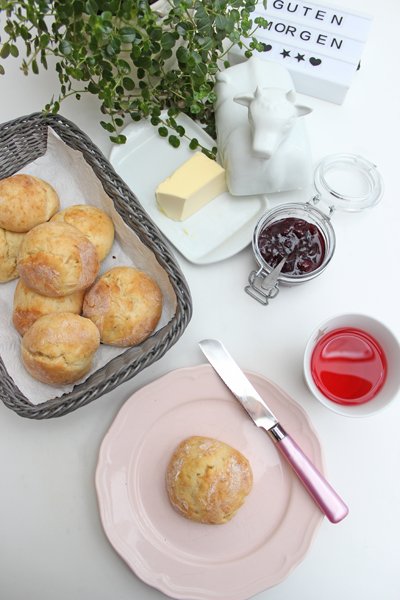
x,y
56,259
91,221
10,243
29,306
26,201
58,349
208,480
125,304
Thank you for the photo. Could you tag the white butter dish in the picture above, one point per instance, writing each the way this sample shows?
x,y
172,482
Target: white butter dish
x,y
220,229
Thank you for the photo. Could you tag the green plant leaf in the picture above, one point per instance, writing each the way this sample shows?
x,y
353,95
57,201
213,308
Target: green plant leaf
x,y
118,139
123,66
128,84
127,34
174,141
182,54
221,22
44,41
107,126
65,47
167,40
5,51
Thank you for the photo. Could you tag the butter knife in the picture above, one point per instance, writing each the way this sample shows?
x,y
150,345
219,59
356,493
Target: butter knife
x,y
320,490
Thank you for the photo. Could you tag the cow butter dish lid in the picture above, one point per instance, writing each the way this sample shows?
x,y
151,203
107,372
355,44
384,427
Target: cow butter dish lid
x,y
261,130
295,242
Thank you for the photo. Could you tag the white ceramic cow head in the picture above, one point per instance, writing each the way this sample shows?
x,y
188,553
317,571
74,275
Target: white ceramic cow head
x,y
272,112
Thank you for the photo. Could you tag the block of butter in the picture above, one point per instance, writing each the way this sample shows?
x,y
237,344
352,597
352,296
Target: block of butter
x,y
196,182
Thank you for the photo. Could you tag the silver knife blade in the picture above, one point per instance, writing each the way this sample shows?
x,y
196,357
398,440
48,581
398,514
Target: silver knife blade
x,y
233,377
318,487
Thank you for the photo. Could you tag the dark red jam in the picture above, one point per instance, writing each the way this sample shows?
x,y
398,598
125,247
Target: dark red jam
x,y
302,242
348,366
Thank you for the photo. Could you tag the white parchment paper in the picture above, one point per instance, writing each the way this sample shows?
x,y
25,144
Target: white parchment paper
x,y
75,182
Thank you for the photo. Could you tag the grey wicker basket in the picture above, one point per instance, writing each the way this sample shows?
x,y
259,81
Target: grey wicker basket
x,y
22,141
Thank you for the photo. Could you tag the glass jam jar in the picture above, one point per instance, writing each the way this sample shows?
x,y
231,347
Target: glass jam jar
x,y
293,243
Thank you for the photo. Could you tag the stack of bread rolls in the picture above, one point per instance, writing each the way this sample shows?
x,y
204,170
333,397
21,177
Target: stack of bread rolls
x,y
60,310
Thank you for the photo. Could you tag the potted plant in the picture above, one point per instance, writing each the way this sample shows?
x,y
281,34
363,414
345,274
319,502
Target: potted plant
x,y
139,58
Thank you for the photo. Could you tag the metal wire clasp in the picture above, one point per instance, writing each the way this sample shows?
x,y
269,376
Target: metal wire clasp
x,y
316,200
264,286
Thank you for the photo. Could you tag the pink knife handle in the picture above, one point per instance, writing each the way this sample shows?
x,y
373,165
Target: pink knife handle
x,y
322,492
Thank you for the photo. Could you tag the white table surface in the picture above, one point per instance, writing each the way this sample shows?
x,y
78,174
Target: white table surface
x,y
52,544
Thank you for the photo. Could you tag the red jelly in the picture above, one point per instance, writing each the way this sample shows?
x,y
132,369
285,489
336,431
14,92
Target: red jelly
x,y
348,366
300,241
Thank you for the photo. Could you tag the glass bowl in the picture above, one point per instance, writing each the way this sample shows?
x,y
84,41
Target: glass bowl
x,y
390,346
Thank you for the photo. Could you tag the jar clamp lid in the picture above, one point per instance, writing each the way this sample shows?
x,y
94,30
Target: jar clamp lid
x,y
347,182
342,181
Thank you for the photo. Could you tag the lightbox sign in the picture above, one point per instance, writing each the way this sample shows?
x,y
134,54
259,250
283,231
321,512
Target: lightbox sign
x,y
320,45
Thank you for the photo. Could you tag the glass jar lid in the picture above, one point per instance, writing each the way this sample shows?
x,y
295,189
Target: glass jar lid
x,y
348,182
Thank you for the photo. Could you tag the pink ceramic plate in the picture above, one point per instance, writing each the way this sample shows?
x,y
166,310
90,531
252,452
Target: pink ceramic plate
x,y
268,536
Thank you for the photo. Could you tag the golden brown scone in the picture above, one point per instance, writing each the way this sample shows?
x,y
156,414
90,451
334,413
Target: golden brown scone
x,y
26,201
29,306
125,304
56,259
10,243
208,480
91,221
59,348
